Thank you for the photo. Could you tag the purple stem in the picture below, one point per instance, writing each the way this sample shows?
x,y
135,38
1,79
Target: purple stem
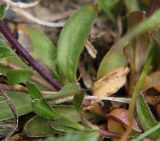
x,y
152,7
21,52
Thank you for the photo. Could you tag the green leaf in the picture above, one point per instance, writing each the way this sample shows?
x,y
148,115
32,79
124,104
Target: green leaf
x,y
91,136
3,69
115,57
72,40
112,60
21,102
2,10
38,127
39,104
43,48
78,99
4,49
147,133
18,76
145,116
63,124
69,110
42,109
68,90
34,91
5,52
132,5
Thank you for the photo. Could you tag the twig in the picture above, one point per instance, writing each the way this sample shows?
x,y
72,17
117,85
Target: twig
x,y
15,45
34,19
90,48
20,4
70,98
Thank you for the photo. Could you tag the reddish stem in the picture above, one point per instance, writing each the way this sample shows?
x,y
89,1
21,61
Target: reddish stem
x,y
21,52
152,7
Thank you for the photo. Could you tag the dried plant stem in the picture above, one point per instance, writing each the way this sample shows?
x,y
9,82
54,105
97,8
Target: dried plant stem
x,y
136,92
27,57
36,20
20,4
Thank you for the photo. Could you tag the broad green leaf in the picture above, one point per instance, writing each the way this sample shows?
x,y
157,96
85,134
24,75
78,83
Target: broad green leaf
x,y
21,102
107,6
43,48
90,136
72,40
69,111
115,57
38,127
78,99
145,116
68,90
2,10
18,76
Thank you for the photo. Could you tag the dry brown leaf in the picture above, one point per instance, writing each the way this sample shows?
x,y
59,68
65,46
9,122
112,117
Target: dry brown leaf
x,y
121,116
110,83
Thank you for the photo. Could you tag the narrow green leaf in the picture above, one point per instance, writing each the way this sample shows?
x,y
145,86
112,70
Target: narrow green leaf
x,y
91,136
78,99
18,76
107,6
145,116
72,40
38,127
147,133
2,10
21,102
34,91
68,90
132,5
39,104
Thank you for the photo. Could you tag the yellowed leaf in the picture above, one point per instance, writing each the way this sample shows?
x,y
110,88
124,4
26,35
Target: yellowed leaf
x,y
116,127
111,82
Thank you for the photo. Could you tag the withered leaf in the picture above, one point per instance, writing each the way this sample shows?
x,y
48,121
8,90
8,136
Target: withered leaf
x,y
121,115
111,82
